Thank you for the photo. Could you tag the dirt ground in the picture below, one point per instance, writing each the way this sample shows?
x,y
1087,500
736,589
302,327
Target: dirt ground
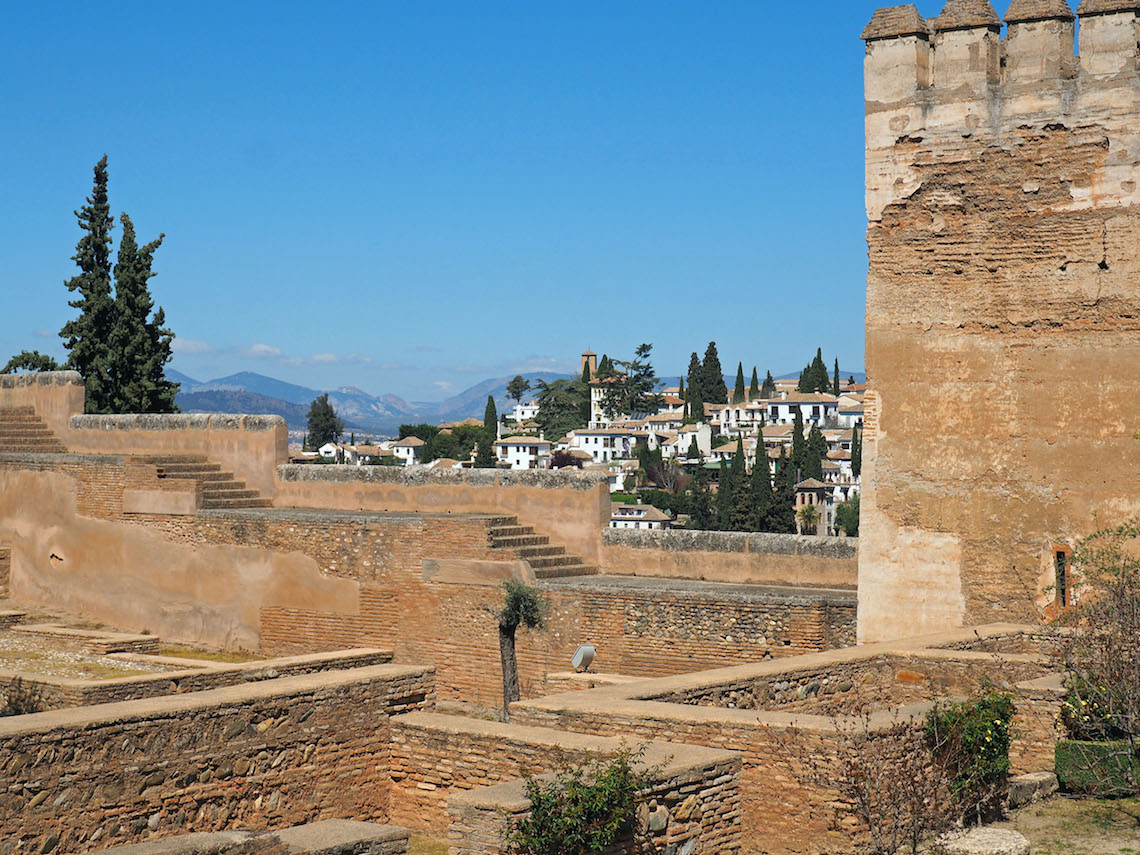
x,y
418,844
1064,826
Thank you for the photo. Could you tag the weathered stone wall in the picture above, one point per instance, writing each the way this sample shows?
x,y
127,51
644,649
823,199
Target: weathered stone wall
x,y
722,556
269,754
572,508
1003,315
5,571
692,805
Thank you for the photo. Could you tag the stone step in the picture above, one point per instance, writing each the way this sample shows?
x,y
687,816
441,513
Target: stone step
x,y
227,492
16,411
173,459
35,448
500,532
548,561
205,477
529,552
186,470
10,618
565,571
235,504
514,542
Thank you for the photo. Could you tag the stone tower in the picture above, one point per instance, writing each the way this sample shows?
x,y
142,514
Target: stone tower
x,y
1003,305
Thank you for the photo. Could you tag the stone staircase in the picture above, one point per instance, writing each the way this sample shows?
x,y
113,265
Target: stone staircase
x,y
220,490
23,432
547,560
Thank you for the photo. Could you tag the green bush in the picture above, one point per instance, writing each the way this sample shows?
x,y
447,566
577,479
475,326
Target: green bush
x,y
1086,715
1097,768
974,736
583,810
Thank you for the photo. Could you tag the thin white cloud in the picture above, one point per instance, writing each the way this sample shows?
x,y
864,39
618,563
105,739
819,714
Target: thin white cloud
x,y
442,385
262,351
190,345
337,359
45,334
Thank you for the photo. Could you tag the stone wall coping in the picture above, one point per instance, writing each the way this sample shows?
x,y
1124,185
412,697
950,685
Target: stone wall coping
x,y
1049,684
168,705
201,666
178,421
635,698
670,759
757,543
335,835
674,756
32,457
752,592
1107,7
321,515
42,378
418,476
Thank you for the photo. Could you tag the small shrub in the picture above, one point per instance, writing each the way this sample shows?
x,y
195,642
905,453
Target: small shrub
x,y
1104,769
976,735
22,700
584,810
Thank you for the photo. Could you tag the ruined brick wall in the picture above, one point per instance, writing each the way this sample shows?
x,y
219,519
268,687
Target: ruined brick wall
x,y
272,754
1003,312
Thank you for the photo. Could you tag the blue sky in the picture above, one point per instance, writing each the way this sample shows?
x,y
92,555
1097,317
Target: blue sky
x,y
410,197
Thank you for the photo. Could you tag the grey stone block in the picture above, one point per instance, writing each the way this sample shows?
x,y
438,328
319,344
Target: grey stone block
x,y
1031,787
339,837
985,841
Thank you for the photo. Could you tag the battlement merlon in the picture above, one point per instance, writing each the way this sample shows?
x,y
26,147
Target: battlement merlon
x,y
960,55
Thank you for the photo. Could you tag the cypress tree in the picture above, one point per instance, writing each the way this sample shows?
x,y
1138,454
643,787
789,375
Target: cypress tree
x,y
695,377
140,347
694,452
835,379
585,371
762,497
754,387
696,407
768,390
742,500
703,517
485,456
856,452
738,391
782,519
798,459
726,496
681,389
88,337
815,451
713,390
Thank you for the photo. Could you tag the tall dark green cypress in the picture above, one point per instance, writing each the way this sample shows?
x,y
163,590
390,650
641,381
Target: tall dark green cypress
x,y
140,346
782,519
586,371
703,516
726,496
742,490
696,407
814,453
799,447
485,456
856,452
88,337
713,390
835,379
738,390
681,389
695,376
754,387
762,497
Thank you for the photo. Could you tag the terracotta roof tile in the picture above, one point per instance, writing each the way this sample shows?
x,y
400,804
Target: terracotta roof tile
x,y
1037,10
966,14
895,21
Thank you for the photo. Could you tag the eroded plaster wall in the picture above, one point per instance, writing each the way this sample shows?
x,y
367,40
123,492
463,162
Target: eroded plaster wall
x,y
1003,310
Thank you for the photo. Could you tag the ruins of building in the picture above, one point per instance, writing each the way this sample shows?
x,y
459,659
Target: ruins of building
x,y
1003,305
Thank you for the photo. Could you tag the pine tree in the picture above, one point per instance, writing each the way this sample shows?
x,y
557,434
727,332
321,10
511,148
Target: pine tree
x,y
856,452
768,390
140,347
835,379
88,337
324,424
695,376
485,456
713,390
815,451
754,387
738,391
703,517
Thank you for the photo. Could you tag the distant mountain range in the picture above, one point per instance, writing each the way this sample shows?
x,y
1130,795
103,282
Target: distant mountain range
x,y
247,392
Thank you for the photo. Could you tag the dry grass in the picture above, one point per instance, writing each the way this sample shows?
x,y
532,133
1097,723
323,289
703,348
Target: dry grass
x,y
418,844
1063,826
183,651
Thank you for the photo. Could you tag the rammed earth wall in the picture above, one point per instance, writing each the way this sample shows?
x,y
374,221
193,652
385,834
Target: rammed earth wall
x,y
270,754
736,557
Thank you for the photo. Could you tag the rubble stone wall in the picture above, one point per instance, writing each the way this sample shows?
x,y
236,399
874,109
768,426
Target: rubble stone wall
x,y
1003,314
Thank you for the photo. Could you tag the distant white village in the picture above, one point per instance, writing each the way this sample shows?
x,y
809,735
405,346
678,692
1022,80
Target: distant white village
x,y
613,444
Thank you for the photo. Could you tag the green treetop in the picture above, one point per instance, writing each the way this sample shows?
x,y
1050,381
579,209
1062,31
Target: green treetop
x,y
768,390
815,452
324,424
518,387
835,379
713,390
856,452
754,386
738,390
695,376
798,459
485,455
